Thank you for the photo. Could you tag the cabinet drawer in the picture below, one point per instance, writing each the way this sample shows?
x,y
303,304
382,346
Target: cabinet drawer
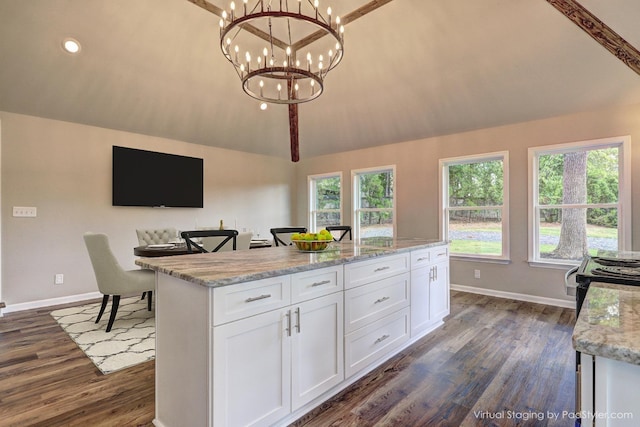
x,y
316,283
242,300
423,257
374,341
366,304
360,273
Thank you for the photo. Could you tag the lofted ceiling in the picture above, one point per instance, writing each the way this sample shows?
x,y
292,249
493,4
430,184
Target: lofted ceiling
x,y
412,69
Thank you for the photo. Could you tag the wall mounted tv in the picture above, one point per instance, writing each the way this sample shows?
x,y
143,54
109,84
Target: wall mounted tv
x,y
148,178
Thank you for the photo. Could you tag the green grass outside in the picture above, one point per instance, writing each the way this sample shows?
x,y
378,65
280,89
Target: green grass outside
x,y
495,248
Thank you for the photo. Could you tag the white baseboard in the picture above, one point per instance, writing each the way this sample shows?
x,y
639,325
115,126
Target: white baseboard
x,y
49,302
512,295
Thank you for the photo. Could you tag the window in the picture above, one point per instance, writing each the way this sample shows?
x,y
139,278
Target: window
x,y
374,202
580,204
325,200
474,201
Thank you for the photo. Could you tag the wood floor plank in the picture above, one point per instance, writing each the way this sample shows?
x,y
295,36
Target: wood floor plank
x,y
491,356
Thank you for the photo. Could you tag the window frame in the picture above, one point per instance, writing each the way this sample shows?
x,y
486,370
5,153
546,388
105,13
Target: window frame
x,y
444,207
623,143
312,193
356,199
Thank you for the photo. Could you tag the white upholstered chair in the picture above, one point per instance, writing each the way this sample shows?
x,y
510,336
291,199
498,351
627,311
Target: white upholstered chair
x,y
154,236
112,279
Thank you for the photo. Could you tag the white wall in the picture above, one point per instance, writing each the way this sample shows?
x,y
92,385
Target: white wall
x,y
417,187
64,170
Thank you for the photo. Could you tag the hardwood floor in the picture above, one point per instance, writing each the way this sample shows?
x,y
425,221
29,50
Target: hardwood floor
x,y
46,380
495,362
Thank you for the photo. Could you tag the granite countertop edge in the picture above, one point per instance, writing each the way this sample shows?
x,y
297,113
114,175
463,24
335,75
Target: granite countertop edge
x,y
193,268
607,325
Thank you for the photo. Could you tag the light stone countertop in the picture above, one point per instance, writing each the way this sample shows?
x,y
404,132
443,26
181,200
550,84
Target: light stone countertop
x,y
227,268
609,323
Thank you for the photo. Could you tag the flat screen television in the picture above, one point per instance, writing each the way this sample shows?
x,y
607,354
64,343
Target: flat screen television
x,y
148,178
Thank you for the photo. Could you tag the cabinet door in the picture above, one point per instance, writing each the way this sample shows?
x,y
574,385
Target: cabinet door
x,y
252,370
439,291
317,347
420,306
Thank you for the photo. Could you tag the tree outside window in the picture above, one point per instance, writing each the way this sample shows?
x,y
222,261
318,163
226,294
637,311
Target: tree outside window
x,y
325,198
474,201
374,202
579,203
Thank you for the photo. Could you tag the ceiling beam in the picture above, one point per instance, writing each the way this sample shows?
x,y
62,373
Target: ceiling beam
x,y
600,32
349,17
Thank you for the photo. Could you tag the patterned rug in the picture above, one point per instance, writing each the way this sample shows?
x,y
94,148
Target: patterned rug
x,y
132,339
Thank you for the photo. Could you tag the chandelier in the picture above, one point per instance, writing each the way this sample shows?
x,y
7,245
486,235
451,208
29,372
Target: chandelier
x,y
282,54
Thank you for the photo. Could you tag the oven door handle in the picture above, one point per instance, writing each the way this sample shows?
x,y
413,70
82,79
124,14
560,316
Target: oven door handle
x,y
568,274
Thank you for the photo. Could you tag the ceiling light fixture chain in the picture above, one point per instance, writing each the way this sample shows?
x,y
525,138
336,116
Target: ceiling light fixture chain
x,y
263,75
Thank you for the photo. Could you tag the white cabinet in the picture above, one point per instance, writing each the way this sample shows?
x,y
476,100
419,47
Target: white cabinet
x,y
317,348
429,288
252,370
376,310
269,364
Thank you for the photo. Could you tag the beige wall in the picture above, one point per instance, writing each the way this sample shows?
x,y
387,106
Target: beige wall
x,y
417,187
64,170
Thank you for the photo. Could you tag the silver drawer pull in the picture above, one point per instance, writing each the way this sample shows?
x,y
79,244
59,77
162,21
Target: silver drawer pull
x,y
381,268
382,338
378,301
324,282
424,258
258,298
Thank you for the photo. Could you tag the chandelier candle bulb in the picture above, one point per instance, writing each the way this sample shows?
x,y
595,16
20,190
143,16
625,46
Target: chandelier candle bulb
x,y
283,60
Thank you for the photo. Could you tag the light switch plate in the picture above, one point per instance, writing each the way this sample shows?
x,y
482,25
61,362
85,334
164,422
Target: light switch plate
x,y
25,211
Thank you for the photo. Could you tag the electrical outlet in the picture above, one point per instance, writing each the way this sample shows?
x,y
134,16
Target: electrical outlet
x,y
25,211
476,274
59,279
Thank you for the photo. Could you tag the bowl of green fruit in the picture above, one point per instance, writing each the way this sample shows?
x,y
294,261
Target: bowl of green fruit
x,y
312,242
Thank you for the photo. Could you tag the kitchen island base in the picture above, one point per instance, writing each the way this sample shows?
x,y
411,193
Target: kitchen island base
x,y
267,351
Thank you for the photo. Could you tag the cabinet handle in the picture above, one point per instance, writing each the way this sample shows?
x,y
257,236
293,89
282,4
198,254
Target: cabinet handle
x,y
288,328
431,278
441,254
381,269
424,258
379,300
435,272
298,319
324,282
382,338
265,296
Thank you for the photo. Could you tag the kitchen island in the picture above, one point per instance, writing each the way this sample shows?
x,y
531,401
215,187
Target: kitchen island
x,y
261,337
607,333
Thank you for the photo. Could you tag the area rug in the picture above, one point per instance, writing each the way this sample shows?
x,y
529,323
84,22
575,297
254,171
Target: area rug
x,y
132,339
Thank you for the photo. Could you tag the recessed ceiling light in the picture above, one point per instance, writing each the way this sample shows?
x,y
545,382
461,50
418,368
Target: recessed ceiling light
x,y
263,106
71,45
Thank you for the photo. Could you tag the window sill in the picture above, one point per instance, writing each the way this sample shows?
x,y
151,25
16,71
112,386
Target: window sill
x,y
479,259
554,265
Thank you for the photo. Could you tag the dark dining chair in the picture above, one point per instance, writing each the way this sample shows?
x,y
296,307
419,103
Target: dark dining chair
x,y
195,247
285,230
344,229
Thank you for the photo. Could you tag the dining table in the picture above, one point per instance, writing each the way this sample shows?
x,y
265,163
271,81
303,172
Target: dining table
x,y
160,250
